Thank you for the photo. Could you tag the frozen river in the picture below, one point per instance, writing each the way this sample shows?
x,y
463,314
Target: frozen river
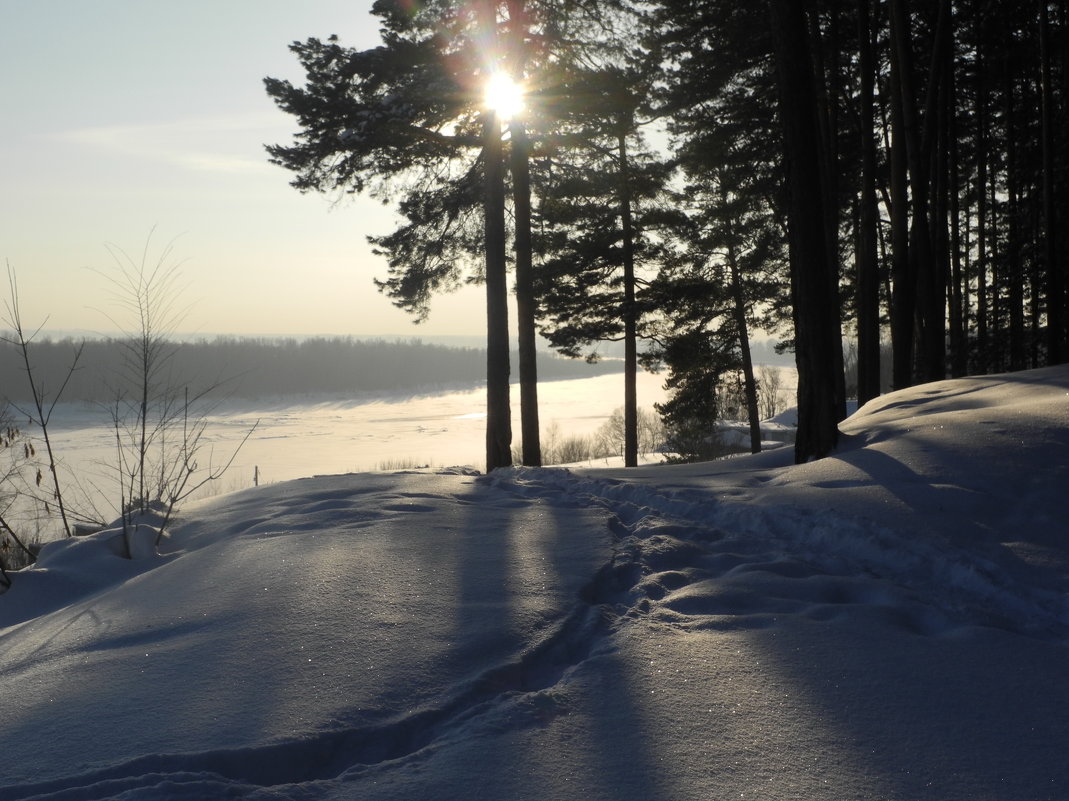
x,y
295,438
440,430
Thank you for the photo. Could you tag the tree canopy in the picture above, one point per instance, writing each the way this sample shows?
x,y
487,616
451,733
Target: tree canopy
x,y
879,172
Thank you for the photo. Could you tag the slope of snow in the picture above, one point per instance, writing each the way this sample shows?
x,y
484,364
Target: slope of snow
x,y
888,623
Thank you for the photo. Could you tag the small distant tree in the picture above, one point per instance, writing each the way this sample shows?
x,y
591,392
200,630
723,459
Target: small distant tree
x,y
600,196
770,388
158,424
699,363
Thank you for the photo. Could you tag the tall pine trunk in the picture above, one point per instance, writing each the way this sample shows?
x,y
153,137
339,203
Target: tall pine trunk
x,y
931,316
1055,286
935,313
526,304
630,310
816,312
827,81
498,410
753,416
525,299
1014,272
904,284
959,289
868,280
982,305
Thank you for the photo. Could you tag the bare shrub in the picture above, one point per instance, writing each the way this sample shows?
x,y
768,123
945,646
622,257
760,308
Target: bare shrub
x,y
158,424
401,463
651,436
558,448
44,489
574,449
770,394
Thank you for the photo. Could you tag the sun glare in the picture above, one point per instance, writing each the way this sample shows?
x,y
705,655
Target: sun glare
x,y
503,96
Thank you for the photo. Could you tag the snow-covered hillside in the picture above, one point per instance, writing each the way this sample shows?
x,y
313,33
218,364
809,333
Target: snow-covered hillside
x,y
888,623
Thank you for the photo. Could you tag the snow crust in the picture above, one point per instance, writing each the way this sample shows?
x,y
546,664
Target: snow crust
x,y
891,622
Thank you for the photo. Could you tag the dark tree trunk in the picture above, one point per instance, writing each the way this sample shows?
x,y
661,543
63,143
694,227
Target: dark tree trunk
x,y
1055,287
630,310
868,280
816,313
1014,272
525,300
933,292
995,357
935,314
749,380
498,410
904,284
526,304
827,89
1035,275
958,293
982,244
931,315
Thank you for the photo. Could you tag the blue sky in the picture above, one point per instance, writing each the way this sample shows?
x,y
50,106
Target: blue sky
x,y
125,119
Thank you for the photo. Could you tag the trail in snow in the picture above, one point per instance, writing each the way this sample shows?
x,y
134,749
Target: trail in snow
x,y
691,550
511,687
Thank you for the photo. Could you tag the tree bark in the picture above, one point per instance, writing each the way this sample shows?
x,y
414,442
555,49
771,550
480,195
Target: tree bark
x,y
935,310
1056,324
816,318
931,347
904,283
995,360
827,89
630,310
498,410
868,280
982,328
753,416
958,289
526,304
932,295
525,299
1014,269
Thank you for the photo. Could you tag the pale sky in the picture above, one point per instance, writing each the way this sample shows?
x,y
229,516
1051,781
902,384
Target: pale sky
x,y
120,116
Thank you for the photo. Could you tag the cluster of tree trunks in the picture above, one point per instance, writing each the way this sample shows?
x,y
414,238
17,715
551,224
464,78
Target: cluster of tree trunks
x,y
897,168
943,125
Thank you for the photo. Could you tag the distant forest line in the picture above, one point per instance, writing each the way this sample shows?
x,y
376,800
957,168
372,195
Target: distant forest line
x,y
260,367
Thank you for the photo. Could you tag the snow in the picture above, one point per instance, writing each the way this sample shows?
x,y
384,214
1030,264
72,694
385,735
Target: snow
x,y
298,437
891,622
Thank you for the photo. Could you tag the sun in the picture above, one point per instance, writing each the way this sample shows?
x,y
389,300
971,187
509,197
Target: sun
x,y
503,96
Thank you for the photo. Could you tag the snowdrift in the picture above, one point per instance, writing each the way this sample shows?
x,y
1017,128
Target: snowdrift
x,y
888,623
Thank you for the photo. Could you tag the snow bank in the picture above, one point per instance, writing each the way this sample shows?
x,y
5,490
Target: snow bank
x,y
887,623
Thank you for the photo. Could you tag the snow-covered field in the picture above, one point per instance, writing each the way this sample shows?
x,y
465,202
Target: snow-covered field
x,y
891,622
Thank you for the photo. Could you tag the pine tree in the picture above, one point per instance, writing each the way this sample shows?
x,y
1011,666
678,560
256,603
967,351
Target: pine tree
x,y
816,313
597,182
407,119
